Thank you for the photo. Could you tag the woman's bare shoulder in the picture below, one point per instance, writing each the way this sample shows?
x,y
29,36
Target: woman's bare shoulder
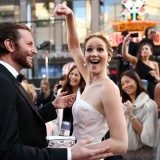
x,y
109,85
158,85
154,63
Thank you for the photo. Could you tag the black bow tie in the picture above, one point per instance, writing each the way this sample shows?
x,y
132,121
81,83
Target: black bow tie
x,y
20,77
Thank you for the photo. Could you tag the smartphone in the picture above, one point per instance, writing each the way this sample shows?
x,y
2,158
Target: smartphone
x,y
134,35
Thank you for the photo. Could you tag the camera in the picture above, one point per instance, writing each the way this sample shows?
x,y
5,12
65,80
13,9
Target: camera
x,y
134,35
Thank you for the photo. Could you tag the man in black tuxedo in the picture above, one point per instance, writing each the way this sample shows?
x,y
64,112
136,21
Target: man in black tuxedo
x,y
22,126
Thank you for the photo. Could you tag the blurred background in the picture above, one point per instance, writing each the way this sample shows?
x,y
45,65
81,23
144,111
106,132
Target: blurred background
x,y
50,35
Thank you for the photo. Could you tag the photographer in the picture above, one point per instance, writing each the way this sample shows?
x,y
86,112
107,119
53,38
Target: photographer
x,y
132,49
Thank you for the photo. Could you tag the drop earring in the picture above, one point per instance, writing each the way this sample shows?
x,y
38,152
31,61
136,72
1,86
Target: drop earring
x,y
85,65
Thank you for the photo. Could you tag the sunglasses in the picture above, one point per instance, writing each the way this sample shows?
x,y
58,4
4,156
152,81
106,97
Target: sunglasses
x,y
153,32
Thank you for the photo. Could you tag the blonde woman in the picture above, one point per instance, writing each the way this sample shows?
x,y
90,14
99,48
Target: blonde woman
x,y
45,93
99,108
30,88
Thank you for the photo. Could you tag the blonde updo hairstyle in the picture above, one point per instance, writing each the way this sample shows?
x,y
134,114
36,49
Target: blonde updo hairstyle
x,y
101,36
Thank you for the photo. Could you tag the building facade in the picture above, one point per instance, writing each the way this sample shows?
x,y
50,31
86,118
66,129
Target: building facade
x,y
49,32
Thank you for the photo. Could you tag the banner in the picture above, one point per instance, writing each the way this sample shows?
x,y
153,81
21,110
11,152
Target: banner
x,y
116,38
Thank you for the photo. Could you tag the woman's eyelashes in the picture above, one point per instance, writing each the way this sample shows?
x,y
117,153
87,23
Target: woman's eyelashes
x,y
99,49
89,50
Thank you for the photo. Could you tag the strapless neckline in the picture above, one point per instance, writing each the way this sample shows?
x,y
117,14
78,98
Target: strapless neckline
x,y
89,105
88,122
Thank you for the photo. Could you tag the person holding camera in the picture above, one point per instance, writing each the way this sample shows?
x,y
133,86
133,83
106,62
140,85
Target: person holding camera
x,y
132,49
147,69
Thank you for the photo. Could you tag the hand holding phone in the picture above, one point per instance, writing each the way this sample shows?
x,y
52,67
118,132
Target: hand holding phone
x,y
134,35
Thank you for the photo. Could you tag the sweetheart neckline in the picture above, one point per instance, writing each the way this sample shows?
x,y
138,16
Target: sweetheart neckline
x,y
90,106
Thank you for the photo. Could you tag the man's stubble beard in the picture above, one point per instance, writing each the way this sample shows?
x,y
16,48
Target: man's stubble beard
x,y
21,59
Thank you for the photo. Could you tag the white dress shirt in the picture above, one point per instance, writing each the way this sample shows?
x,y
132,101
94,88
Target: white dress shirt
x,y
10,68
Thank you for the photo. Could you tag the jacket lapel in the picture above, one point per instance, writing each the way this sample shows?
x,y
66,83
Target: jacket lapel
x,y
20,89
28,99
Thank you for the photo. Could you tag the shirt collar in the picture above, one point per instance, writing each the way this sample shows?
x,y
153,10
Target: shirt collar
x,y
10,68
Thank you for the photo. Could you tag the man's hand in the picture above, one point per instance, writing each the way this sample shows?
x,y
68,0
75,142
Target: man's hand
x,y
63,100
80,151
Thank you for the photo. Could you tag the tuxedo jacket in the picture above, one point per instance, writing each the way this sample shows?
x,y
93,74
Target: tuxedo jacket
x,y
132,48
22,126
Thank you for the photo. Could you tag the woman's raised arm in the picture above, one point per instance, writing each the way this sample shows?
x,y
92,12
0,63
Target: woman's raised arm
x,y
132,59
72,37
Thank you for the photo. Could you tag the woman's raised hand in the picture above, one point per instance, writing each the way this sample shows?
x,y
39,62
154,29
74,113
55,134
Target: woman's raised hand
x,y
127,37
61,9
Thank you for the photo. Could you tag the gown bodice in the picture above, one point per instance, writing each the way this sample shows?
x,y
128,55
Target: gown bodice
x,y
88,122
143,71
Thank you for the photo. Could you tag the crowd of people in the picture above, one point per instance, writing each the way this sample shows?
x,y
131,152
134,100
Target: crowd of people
x,y
147,69
106,119
22,126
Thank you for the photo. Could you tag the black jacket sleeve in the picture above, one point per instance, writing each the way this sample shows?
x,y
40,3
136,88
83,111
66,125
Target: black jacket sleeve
x,y
48,112
22,132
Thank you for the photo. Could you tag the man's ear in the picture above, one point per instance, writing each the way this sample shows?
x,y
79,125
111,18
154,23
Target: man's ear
x,y
9,45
